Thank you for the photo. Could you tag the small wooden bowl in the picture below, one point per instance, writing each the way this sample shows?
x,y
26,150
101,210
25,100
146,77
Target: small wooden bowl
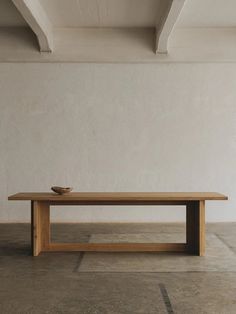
x,y
61,190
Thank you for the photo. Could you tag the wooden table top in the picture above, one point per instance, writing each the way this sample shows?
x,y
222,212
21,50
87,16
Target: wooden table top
x,y
119,196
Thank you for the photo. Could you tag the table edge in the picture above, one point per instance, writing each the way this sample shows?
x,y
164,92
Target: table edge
x,y
69,197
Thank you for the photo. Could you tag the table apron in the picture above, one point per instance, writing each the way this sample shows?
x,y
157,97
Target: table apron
x,y
118,203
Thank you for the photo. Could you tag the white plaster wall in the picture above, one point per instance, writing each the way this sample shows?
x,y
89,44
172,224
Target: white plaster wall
x,y
118,127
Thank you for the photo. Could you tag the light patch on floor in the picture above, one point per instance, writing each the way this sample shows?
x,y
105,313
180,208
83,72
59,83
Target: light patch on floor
x,y
219,257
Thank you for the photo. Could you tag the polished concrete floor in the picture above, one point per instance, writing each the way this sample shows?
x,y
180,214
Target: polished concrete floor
x,y
117,283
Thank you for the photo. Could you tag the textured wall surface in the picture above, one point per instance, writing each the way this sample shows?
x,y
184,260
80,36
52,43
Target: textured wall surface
x,y
137,127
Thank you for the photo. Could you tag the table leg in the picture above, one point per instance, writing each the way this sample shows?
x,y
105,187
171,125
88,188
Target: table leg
x,y
40,226
195,227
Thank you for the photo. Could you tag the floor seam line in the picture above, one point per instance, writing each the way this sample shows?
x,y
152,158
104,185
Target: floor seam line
x,y
80,258
166,298
224,242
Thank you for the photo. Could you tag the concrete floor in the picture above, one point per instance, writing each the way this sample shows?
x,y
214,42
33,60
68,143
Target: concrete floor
x,y
117,283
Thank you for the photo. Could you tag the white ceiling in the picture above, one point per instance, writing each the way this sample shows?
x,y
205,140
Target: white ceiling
x,y
73,26
102,13
9,16
124,13
208,13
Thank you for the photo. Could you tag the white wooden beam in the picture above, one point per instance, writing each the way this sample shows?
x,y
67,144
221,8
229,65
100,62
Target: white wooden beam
x,y
86,45
170,14
35,16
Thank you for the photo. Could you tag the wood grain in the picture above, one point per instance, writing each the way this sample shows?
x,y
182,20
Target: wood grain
x,y
118,247
40,212
195,219
195,227
117,197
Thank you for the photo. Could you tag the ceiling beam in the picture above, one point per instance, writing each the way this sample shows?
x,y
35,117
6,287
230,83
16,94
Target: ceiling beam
x,y
35,16
169,14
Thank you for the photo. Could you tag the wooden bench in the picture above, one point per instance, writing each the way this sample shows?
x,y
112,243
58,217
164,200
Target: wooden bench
x,y
195,219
